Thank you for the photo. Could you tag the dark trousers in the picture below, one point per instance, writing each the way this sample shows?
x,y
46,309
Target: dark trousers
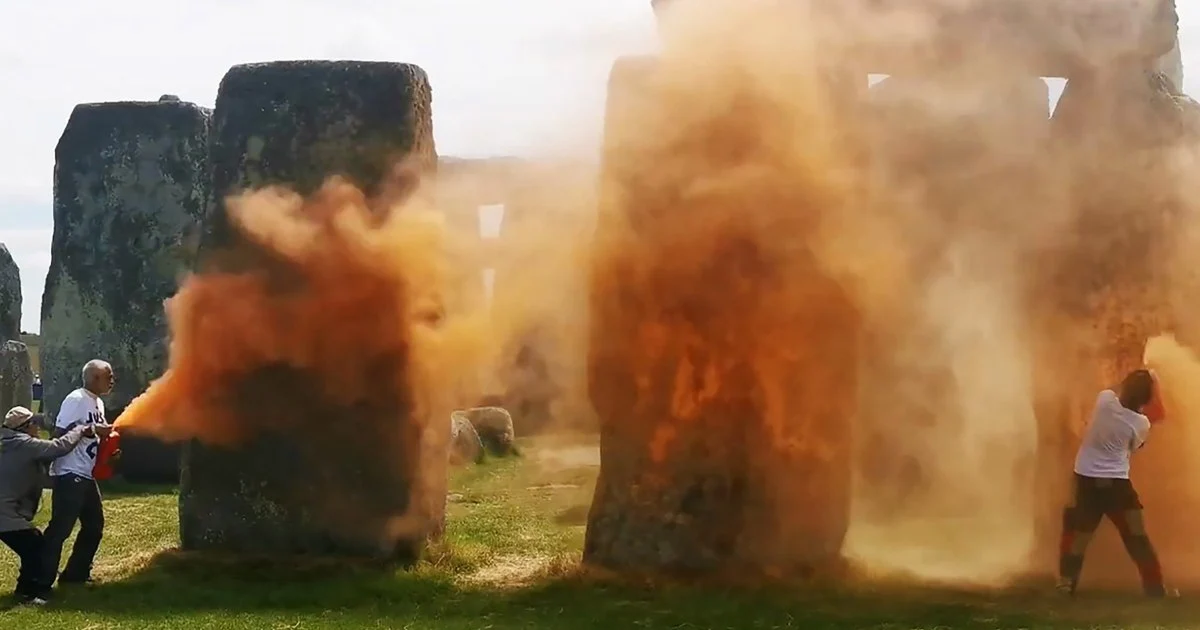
x,y
74,499
1116,499
28,545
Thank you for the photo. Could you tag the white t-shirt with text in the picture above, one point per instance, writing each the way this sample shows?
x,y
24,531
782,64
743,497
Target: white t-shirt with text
x,y
79,408
1111,438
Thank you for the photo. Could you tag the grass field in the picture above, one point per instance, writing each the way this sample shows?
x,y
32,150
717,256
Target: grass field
x,y
510,562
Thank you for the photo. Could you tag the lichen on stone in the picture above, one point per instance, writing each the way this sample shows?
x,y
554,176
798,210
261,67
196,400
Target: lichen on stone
x,y
130,185
10,296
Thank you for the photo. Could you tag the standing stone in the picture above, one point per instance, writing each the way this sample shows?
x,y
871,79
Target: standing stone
x,y
529,382
295,124
144,458
16,376
547,222
130,190
10,296
723,371
955,174
1123,275
1170,65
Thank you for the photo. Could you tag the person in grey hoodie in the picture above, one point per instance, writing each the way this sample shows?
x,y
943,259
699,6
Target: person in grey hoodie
x,y
24,458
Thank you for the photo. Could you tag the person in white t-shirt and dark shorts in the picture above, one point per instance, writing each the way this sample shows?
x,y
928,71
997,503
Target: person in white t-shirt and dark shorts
x,y
76,496
1118,428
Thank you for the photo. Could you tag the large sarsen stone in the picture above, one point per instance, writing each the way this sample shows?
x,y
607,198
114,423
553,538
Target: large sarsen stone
x,y
130,187
296,124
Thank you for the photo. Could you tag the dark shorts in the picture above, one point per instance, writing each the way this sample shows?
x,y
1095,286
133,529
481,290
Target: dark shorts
x,y
1094,500
1105,496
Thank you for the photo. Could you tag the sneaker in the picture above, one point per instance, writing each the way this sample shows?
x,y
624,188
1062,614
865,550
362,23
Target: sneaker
x,y
1163,593
21,599
1065,586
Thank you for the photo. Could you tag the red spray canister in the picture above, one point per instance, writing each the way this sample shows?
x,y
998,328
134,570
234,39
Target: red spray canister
x,y
104,469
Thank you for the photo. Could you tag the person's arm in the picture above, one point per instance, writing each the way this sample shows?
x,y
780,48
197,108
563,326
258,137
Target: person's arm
x,y
1139,438
46,450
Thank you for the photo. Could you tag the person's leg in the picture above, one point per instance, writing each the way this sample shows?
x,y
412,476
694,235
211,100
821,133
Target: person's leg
x,y
91,531
66,502
27,544
1080,520
1127,515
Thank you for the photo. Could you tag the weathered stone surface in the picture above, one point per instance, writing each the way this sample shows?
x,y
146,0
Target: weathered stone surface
x,y
1055,38
130,189
295,124
10,297
494,426
1170,66
465,444
16,376
1108,289
937,140
722,373
144,458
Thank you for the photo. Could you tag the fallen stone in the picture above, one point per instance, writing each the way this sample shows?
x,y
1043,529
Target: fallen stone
x,y
465,445
495,428
130,190
370,490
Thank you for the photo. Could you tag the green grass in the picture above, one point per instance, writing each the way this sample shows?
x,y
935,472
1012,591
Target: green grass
x,y
509,561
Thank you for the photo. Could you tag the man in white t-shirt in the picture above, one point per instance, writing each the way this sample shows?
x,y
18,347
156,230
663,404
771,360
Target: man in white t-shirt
x,y
76,496
1117,429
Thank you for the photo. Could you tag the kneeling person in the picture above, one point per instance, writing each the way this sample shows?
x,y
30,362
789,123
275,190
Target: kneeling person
x,y
23,461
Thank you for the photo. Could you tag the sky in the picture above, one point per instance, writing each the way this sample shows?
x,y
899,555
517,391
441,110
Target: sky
x,y
519,77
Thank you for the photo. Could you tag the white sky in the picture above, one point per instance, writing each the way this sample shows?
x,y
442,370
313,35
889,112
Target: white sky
x,y
510,77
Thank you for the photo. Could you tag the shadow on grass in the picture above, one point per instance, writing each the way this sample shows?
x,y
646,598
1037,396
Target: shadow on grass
x,y
118,487
176,584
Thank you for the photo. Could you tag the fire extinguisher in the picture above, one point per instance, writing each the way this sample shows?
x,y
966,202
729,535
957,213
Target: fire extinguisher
x,y
106,457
